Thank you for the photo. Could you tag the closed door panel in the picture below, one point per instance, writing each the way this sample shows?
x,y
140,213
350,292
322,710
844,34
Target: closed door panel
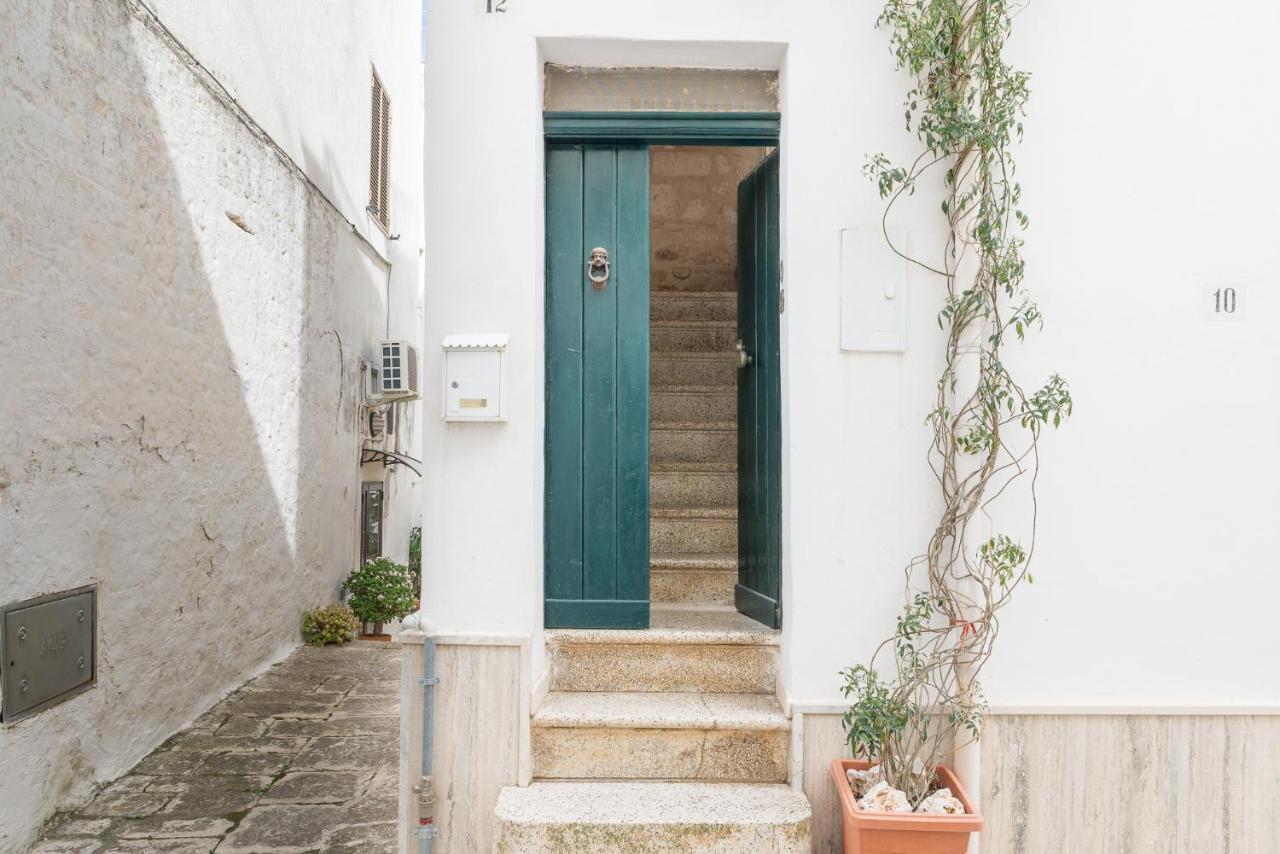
x,y
597,422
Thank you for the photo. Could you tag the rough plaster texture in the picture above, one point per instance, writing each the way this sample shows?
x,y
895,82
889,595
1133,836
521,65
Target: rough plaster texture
x,y
693,209
183,325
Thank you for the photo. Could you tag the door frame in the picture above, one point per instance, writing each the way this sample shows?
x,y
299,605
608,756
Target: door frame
x,y
663,128
745,129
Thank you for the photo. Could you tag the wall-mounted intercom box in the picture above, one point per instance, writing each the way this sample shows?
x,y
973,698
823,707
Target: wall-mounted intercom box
x,y
475,377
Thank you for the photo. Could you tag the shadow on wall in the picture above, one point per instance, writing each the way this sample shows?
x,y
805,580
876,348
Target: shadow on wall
x,y
179,412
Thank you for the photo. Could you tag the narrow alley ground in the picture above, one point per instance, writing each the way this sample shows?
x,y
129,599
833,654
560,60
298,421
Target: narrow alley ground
x,y
302,758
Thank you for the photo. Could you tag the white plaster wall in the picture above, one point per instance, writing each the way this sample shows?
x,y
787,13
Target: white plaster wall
x,y
302,70
1145,174
180,395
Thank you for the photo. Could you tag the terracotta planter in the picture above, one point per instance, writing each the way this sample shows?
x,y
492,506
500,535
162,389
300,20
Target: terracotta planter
x,y
903,833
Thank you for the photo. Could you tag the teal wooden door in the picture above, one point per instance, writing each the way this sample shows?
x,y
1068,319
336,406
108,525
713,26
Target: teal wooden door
x,y
597,422
758,591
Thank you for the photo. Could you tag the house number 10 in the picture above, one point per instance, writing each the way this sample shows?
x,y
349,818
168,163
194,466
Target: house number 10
x,y
1224,301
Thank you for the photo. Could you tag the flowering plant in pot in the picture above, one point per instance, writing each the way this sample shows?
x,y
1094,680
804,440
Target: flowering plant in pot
x,y
379,592
919,696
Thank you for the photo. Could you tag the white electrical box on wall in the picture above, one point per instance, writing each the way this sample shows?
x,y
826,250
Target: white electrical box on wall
x,y
475,377
873,291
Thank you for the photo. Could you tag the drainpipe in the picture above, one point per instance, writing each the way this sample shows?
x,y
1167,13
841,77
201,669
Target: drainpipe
x,y
427,830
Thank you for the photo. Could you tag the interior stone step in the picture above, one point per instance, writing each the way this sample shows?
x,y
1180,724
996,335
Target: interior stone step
x,y
693,530
678,305
713,650
681,443
700,336
655,818
693,579
693,369
707,403
692,488
738,738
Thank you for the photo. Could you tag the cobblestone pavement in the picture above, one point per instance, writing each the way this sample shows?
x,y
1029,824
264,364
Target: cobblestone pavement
x,y
303,758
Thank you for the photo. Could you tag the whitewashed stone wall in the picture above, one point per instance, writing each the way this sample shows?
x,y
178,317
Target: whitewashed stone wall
x,y
182,320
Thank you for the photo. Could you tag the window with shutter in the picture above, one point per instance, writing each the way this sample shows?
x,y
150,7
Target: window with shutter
x,y
379,159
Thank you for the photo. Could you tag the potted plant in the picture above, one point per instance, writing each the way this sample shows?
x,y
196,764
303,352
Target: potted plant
x,y
379,592
332,624
965,106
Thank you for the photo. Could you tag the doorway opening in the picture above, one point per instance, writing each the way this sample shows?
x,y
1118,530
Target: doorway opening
x,y
693,379
663,403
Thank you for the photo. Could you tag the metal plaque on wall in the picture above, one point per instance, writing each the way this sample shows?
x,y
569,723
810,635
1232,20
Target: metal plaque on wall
x,y
47,650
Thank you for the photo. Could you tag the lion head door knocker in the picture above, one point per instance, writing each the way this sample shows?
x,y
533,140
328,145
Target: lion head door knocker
x,y
598,268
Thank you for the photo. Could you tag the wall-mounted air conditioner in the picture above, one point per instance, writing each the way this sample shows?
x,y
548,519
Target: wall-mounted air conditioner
x,y
398,374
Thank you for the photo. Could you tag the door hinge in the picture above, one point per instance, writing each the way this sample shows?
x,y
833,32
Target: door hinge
x,y
782,300
777,615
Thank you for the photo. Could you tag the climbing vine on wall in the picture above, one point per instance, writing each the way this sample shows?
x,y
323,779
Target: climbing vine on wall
x,y
965,105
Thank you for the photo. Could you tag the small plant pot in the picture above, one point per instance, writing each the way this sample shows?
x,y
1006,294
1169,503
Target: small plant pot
x,y
370,629
903,833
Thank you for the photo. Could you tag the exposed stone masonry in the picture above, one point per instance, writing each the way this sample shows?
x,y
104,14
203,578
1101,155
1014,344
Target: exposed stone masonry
x,y
693,210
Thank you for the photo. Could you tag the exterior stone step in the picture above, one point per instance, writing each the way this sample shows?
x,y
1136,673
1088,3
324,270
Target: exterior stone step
x,y
707,403
699,336
677,305
693,369
693,579
697,530
713,650
650,817
692,488
681,443
739,738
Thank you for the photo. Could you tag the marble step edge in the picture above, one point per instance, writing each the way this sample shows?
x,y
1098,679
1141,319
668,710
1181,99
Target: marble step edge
x,y
681,562
696,295
648,710
716,513
672,624
694,426
693,324
646,803
693,467
693,355
697,390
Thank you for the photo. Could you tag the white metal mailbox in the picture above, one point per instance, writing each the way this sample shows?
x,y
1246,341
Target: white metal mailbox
x,y
475,377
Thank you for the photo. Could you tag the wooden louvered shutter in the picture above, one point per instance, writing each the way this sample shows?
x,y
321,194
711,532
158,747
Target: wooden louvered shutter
x,y
379,160
384,163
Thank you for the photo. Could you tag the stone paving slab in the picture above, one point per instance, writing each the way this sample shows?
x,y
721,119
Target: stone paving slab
x,y
301,759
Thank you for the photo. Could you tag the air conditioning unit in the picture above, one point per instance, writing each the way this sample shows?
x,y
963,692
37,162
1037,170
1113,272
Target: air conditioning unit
x,y
398,376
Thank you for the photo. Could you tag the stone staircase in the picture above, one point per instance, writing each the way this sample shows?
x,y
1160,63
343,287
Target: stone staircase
x,y
670,738
693,449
